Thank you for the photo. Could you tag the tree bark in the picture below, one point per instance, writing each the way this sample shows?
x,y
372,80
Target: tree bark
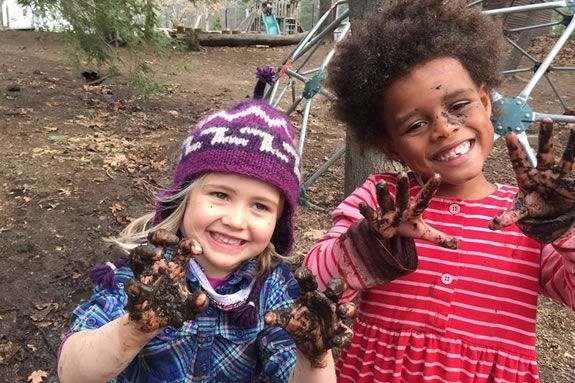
x,y
191,39
324,6
359,163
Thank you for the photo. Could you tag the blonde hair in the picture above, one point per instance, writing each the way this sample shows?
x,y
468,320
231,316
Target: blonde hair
x,y
136,233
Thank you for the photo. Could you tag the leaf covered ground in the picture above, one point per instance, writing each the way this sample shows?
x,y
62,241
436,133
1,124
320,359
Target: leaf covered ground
x,y
78,162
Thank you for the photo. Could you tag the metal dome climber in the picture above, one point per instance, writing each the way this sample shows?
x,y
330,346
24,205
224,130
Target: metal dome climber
x,y
510,113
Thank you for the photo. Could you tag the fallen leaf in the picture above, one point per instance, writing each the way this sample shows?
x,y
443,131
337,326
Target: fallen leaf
x,y
116,207
7,351
43,310
55,138
37,376
314,234
64,191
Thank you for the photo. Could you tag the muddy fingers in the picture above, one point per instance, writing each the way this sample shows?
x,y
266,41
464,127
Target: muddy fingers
x,y
335,289
163,238
403,217
546,151
544,206
158,296
426,194
508,217
305,279
314,320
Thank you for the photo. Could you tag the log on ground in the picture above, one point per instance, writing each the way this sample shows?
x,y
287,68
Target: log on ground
x,y
247,39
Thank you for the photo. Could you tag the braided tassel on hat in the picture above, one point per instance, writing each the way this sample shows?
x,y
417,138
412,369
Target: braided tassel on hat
x,y
265,76
246,315
103,275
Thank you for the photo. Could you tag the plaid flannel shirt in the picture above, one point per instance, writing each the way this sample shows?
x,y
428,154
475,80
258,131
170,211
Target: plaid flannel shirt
x,y
210,348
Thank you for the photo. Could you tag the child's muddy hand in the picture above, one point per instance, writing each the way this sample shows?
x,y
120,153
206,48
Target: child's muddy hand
x,y
403,217
544,207
314,320
158,295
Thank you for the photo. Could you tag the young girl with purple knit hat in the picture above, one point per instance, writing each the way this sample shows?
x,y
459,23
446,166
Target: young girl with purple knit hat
x,y
235,192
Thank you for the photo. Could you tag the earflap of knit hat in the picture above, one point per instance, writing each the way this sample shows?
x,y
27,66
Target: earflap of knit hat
x,y
283,236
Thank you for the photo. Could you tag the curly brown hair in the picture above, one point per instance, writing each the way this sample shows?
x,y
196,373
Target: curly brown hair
x,y
388,43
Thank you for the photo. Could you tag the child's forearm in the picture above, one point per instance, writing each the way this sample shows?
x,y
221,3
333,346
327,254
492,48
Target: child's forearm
x,y
100,355
362,258
303,371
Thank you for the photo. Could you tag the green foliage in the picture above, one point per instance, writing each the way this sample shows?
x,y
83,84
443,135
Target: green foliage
x,y
561,16
218,24
146,86
96,27
98,24
309,14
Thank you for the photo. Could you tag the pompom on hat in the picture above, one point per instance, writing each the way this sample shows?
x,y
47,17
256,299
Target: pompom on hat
x,y
250,139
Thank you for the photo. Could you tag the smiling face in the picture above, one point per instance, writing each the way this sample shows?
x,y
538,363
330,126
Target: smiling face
x,y
438,121
233,218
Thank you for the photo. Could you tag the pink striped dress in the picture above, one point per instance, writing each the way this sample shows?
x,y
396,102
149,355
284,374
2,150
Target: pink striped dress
x,y
465,315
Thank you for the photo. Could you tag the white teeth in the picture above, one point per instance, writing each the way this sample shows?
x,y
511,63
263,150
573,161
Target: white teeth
x,y
457,151
227,240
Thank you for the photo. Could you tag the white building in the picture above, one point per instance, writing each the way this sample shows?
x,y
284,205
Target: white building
x,y
13,16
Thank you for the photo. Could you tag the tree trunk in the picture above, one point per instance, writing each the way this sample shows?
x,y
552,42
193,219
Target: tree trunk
x,y
324,6
359,164
191,39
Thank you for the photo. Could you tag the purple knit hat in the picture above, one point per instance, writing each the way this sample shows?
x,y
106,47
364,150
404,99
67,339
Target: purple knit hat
x,y
250,139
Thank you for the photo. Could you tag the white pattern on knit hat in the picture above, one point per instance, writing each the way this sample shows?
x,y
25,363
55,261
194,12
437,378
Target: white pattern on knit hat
x,y
220,136
267,142
256,110
296,167
267,146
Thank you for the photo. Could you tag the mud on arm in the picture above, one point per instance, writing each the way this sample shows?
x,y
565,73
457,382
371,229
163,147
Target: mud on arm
x,y
379,247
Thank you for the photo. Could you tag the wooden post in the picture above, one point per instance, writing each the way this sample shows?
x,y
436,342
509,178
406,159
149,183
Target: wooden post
x,y
1,16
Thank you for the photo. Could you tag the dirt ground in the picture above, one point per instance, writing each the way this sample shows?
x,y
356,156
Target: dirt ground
x,y
77,163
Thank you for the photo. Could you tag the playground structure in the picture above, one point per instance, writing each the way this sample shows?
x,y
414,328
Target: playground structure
x,y
277,17
304,81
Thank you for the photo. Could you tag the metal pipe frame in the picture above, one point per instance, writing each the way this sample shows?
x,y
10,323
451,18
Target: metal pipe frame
x,y
312,40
